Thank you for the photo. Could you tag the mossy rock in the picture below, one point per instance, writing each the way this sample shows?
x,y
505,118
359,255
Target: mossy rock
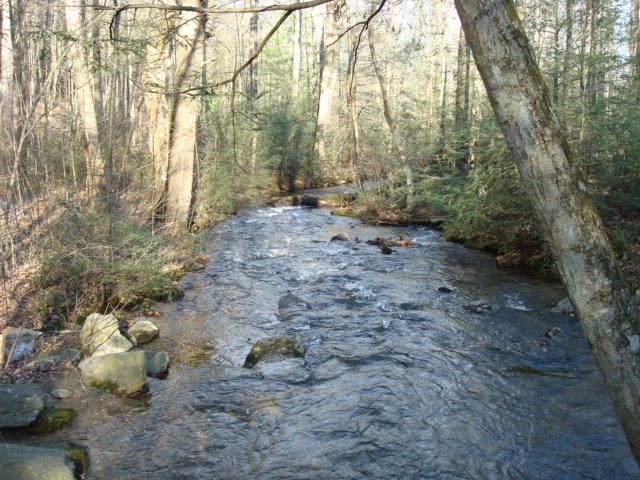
x,y
80,459
344,212
164,293
137,296
51,419
272,347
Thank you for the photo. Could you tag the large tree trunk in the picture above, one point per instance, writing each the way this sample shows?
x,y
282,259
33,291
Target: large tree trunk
x,y
83,80
329,80
184,116
155,99
568,217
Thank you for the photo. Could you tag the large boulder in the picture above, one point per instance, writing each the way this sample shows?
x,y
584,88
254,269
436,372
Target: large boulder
x,y
142,331
100,335
20,404
16,343
122,373
273,347
20,462
291,304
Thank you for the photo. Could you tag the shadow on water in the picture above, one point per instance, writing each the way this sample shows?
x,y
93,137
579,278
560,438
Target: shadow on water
x,y
401,379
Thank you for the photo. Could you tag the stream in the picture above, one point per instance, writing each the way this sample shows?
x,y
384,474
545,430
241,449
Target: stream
x,y
399,380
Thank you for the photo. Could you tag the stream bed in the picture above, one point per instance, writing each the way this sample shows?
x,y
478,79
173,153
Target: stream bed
x,y
399,380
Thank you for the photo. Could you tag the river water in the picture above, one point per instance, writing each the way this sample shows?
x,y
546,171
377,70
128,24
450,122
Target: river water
x,y
399,379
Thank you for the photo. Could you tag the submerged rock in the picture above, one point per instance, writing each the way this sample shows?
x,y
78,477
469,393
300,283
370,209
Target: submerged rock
x,y
290,304
20,462
20,404
142,331
273,347
479,307
122,373
52,419
16,343
157,363
552,332
100,335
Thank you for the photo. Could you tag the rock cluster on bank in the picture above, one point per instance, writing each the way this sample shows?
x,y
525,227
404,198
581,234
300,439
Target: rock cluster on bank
x,y
110,364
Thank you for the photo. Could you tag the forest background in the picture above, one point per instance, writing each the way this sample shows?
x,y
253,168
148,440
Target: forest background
x,y
127,130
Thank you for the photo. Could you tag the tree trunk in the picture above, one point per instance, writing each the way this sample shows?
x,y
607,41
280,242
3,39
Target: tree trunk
x,y
297,54
155,99
252,93
329,81
353,113
396,142
634,41
184,116
6,74
567,215
461,117
83,80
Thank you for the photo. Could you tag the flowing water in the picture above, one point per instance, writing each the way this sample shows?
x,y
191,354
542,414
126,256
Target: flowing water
x,y
399,379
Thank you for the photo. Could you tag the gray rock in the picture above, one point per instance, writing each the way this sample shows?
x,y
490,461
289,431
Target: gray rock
x,y
341,237
274,347
20,404
564,307
142,331
116,372
61,393
16,343
157,363
291,304
552,332
100,335
20,462
55,357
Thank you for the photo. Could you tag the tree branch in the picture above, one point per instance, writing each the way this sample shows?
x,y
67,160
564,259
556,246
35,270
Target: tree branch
x,y
185,8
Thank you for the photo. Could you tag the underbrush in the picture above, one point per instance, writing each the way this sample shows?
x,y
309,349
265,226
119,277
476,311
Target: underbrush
x,y
90,260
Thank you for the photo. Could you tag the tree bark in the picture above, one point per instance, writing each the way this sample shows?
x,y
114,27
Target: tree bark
x,y
155,99
297,54
183,117
6,73
329,80
567,215
461,116
84,80
634,41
